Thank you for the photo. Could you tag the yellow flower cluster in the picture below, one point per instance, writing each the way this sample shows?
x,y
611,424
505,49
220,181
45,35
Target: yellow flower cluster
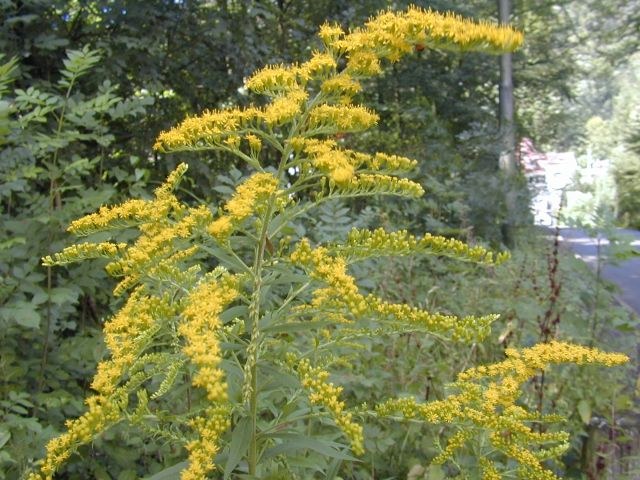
x,y
455,442
133,210
489,470
327,158
285,108
320,64
363,63
199,328
466,329
341,293
322,392
341,165
255,144
489,406
210,426
523,364
370,184
162,222
83,251
362,243
249,198
127,334
341,287
155,250
274,79
392,35
102,412
209,130
201,323
389,35
329,119
343,86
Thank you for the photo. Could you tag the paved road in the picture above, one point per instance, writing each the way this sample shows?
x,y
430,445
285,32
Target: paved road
x,y
626,275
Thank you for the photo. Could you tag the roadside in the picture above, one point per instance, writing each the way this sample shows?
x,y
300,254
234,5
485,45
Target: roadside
x,y
625,274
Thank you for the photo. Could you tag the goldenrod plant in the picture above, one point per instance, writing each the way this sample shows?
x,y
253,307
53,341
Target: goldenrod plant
x,y
232,324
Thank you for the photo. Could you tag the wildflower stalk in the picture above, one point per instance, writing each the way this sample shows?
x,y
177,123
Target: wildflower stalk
x,y
254,346
302,333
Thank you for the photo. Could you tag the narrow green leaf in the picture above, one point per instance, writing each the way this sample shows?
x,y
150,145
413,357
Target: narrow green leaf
x,y
240,439
294,442
4,437
170,473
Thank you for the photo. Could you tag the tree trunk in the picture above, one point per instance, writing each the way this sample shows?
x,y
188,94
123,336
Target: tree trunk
x,y
506,105
507,159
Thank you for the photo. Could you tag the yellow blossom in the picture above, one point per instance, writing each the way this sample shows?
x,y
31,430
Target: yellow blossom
x,y
285,108
102,412
489,406
83,251
368,184
208,130
362,243
330,33
200,326
392,35
247,199
320,64
274,79
341,85
341,294
335,118
210,426
363,63
255,144
322,392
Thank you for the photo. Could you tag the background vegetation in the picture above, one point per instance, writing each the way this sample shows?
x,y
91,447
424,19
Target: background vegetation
x,y
87,86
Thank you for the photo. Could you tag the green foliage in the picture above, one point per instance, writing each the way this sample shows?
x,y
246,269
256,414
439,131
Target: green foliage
x,y
53,162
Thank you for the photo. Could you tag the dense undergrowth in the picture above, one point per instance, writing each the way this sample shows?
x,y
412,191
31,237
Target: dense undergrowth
x,y
57,165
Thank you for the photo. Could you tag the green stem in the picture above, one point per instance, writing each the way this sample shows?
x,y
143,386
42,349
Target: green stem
x,y
55,202
254,346
253,349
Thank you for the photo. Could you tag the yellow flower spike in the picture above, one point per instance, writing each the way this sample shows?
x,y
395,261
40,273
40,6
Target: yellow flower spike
x,y
209,130
326,394
363,63
336,164
491,406
83,251
368,184
210,426
274,79
102,413
246,201
341,292
489,470
336,118
319,65
456,442
200,327
285,108
330,33
392,35
341,85
255,144
362,244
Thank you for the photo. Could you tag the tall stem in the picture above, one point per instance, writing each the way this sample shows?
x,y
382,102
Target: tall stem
x,y
253,350
254,347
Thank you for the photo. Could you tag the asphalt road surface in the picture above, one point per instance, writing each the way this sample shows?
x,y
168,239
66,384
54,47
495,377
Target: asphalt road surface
x,y
626,274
